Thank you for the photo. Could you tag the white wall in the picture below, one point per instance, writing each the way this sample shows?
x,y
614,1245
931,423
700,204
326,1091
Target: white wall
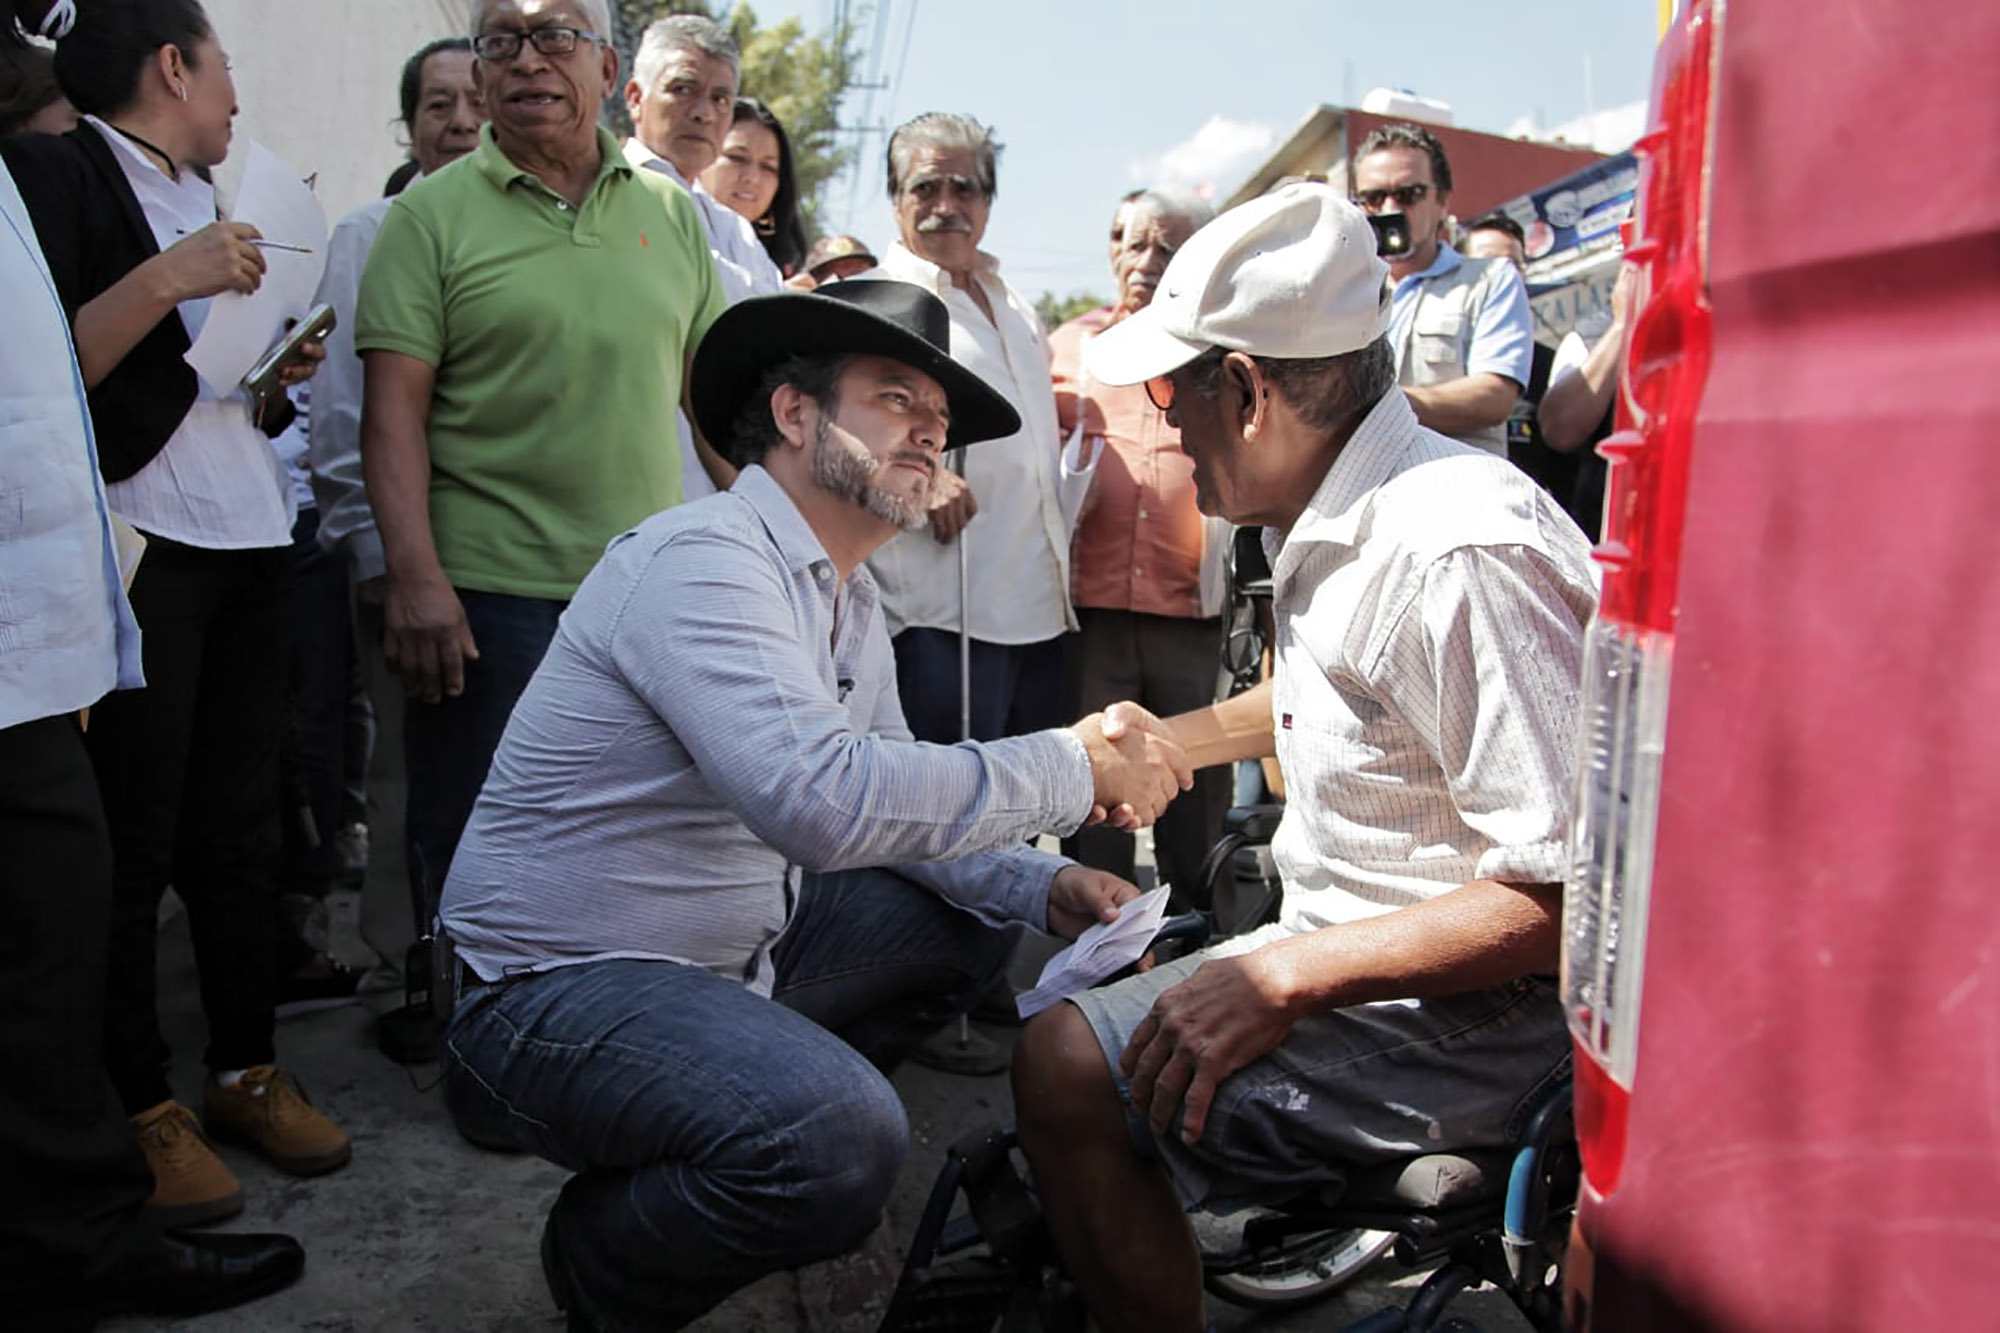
x,y
316,81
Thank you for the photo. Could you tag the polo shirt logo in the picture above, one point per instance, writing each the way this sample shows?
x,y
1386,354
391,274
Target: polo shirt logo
x,y
643,243
1285,721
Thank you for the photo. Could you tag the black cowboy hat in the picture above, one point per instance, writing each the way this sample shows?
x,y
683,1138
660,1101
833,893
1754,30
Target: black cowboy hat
x,y
882,317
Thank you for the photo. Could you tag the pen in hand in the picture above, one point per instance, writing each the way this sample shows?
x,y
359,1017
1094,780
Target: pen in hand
x,y
263,244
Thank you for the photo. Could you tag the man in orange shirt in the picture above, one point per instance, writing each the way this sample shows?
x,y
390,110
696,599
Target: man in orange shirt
x,y
1136,562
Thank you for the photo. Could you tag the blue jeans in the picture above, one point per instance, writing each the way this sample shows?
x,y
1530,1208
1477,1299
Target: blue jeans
x,y
718,1136
449,745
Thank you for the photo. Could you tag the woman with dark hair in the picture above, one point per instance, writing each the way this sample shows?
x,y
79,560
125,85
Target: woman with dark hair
x,y
754,176
188,767
29,98
76,1242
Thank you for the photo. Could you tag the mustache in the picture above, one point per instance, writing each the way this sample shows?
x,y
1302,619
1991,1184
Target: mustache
x,y
943,222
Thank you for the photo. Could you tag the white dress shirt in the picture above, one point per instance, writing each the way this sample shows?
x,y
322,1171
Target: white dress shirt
x,y
1018,544
1430,607
334,437
67,636
742,265
217,483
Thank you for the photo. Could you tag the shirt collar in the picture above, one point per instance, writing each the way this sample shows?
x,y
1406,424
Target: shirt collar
x,y
798,546
1369,458
1447,260
907,264
637,154
503,171
133,158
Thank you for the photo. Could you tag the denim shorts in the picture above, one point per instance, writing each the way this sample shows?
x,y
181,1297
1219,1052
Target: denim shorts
x,y
1348,1088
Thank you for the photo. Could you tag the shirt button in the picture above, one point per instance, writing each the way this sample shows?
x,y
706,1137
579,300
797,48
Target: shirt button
x,y
1142,513
562,205
822,573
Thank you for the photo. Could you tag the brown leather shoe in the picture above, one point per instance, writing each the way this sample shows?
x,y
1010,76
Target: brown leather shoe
x,y
190,1183
269,1111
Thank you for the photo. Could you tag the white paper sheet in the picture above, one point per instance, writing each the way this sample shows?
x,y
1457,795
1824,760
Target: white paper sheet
x,y
240,328
1097,953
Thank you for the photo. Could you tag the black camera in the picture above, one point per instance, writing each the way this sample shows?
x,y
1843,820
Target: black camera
x,y
1392,234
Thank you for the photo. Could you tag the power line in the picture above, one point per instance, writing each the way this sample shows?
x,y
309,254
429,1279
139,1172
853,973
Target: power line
x,y
902,61
866,124
863,170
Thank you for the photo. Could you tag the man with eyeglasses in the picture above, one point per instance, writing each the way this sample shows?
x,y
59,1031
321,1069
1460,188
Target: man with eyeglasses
x,y
1460,328
942,178
525,323
1430,604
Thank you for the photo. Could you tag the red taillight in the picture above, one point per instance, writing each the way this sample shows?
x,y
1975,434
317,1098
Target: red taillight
x,y
1629,654
1601,1106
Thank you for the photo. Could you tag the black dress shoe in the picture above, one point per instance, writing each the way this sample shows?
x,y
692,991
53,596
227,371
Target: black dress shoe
x,y
186,1275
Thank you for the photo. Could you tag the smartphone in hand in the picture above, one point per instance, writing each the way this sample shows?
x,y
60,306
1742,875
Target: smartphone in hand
x,y
262,381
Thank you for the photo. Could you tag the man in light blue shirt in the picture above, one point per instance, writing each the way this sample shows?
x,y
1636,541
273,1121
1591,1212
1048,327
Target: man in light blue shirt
x,y
75,1244
1460,328
684,965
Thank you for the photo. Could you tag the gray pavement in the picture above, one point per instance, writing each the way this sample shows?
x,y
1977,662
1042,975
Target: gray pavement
x,y
423,1231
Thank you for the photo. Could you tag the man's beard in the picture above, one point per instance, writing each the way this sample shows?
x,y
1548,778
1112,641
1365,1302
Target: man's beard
x,y
845,467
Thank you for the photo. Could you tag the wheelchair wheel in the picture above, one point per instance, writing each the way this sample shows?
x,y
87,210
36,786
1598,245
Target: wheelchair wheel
x,y
1296,1270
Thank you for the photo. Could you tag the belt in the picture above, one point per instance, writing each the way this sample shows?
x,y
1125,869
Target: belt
x,y
463,979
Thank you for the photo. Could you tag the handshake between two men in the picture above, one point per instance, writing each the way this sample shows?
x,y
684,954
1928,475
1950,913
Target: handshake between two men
x,y
1137,766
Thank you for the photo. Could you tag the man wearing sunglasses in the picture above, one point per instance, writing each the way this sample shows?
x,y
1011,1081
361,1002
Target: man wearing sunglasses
x,y
525,322
1430,603
1460,328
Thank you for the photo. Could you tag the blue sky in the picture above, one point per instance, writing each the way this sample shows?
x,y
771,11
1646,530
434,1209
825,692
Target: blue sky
x,y
1093,97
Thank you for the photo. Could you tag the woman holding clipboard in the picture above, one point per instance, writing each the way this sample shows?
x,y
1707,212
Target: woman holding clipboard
x,y
188,766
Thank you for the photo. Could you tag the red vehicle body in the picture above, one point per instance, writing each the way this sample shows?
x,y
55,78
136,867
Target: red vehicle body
x,y
1790,817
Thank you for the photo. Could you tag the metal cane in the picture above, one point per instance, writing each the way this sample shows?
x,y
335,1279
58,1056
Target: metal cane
x,y
957,465
964,1051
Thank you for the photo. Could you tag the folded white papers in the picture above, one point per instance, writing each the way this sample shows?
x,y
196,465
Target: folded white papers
x,y
1097,953
239,329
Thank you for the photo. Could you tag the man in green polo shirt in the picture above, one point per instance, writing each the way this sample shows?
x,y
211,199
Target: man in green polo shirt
x,y
525,323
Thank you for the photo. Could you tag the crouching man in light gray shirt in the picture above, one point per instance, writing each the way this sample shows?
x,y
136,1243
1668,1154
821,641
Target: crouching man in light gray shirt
x,y
684,968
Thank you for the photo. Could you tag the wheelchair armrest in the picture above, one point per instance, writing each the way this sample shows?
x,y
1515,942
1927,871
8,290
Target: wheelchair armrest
x,y
1254,823
1194,927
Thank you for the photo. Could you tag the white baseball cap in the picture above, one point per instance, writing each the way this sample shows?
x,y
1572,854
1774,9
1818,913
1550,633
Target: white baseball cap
x,y
1292,275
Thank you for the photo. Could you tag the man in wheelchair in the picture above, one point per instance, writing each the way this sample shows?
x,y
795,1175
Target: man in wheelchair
x,y
1430,605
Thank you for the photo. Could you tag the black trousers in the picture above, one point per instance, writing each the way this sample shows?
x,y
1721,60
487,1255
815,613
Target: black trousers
x,y
74,1181
188,769
329,732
